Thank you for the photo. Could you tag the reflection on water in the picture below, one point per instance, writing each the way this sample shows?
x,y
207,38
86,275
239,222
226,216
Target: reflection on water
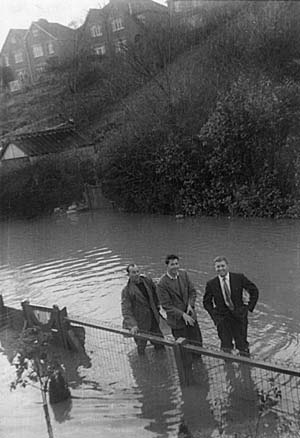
x,y
81,264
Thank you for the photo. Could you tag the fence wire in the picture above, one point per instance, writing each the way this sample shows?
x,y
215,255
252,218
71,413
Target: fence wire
x,y
227,396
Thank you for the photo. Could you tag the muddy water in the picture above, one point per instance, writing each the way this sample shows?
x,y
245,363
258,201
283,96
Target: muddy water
x,y
78,261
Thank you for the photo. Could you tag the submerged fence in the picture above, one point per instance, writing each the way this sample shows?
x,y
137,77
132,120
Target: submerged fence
x,y
184,390
214,391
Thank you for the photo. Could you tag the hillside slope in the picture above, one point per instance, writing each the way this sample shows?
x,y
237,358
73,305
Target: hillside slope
x,y
215,131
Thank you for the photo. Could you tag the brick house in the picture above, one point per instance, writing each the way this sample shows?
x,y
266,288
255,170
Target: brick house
x,y
46,40
108,30
15,58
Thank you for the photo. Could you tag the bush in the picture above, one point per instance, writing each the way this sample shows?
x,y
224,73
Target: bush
x,y
43,186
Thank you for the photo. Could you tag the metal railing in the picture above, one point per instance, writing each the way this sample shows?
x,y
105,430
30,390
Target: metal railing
x,y
240,394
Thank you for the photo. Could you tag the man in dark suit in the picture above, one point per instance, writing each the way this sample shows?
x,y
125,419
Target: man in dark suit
x,y
140,307
177,295
224,299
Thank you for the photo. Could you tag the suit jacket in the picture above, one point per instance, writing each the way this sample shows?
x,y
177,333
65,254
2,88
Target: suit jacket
x,y
136,309
175,303
213,300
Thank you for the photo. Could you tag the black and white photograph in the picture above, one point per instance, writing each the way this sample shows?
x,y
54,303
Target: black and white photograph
x,y
149,219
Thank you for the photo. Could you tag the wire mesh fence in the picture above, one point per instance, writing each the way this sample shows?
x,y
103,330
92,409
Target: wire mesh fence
x,y
188,391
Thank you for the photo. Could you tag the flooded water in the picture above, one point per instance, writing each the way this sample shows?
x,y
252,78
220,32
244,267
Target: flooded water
x,y
79,261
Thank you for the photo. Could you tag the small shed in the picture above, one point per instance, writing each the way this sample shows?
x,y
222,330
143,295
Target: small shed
x,y
26,148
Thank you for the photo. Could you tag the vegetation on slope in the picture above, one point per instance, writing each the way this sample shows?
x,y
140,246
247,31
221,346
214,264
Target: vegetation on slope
x,y
200,121
225,141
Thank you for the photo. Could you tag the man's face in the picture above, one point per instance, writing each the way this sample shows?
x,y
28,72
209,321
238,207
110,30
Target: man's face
x,y
134,274
173,267
221,268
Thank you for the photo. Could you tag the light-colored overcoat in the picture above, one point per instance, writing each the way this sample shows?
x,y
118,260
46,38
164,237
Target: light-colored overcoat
x,y
176,300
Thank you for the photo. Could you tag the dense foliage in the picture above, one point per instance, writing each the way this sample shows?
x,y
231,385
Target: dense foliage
x,y
238,154
39,188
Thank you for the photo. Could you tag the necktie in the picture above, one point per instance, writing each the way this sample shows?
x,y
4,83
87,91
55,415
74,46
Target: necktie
x,y
228,300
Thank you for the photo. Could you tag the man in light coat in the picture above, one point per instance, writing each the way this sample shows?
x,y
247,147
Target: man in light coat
x,y
177,295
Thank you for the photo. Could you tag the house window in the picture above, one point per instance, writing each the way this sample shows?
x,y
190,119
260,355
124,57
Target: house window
x,y
96,30
37,50
35,32
117,24
21,75
50,47
142,18
120,46
13,40
18,57
6,61
40,68
100,50
14,86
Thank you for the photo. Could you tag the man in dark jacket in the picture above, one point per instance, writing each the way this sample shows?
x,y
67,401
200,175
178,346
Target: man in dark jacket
x,y
177,295
140,307
228,305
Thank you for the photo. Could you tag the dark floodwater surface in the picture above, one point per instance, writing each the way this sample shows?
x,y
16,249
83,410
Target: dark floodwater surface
x,y
79,261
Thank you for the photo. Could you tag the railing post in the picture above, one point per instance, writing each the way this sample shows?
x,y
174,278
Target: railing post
x,y
183,362
1,304
2,312
61,325
26,314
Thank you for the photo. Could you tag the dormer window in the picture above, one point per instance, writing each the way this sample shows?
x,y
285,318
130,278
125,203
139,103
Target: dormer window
x,y
117,24
96,30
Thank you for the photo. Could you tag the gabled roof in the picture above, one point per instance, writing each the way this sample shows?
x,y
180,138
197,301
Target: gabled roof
x,y
18,33
54,30
48,141
95,13
133,7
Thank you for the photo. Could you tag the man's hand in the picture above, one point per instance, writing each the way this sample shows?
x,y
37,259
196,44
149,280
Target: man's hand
x,y
134,330
188,319
162,312
190,311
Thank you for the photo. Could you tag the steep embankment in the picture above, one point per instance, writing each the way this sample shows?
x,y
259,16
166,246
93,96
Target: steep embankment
x,y
93,92
217,131
212,132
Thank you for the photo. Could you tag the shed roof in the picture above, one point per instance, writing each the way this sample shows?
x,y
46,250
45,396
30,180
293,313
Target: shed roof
x,y
48,141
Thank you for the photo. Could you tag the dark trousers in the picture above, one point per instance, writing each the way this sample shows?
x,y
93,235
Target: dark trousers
x,y
189,332
155,330
232,329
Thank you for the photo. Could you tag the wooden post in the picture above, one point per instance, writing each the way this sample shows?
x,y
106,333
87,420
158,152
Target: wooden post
x,y
62,326
1,304
27,318
2,311
183,362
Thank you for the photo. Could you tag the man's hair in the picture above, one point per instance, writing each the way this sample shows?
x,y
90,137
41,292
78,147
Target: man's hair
x,y
171,257
221,259
131,265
